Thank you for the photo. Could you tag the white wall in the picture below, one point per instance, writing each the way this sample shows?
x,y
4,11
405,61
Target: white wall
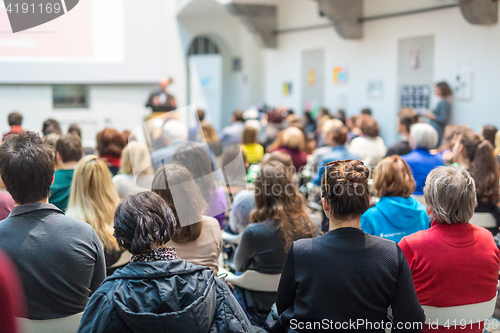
x,y
457,44
120,107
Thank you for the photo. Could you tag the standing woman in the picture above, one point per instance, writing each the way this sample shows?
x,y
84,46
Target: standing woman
x,y
440,117
93,199
279,219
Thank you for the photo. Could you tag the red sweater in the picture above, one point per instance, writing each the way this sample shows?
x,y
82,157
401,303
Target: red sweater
x,y
11,296
453,265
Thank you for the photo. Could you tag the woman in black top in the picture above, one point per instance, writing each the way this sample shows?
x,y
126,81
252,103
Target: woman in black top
x,y
346,280
279,218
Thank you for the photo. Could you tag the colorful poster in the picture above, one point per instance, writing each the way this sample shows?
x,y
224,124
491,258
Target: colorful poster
x,y
311,77
287,89
339,75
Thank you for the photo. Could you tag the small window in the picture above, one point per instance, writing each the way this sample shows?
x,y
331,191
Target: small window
x,y
66,96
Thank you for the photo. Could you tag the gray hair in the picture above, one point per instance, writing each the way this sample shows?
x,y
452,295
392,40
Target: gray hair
x,y
423,136
244,203
174,130
451,194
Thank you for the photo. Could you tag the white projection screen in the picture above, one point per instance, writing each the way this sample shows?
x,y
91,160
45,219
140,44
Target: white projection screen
x,y
97,41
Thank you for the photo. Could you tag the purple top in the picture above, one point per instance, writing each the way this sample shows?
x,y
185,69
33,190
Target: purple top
x,y
216,208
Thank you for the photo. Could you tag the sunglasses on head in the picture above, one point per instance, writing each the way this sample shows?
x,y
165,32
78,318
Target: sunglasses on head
x,y
330,164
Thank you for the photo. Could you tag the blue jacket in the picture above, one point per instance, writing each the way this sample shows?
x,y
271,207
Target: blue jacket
x,y
337,153
421,162
395,217
164,296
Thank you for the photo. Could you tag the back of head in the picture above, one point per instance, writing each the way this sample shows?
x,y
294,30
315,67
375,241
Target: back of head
x,y
445,89
175,185
238,115
486,173
69,148
15,119
366,111
330,124
408,117
197,161
451,194
282,158
143,220
249,135
276,198
368,126
200,114
209,133
175,130
488,132
93,197
450,132
26,167
339,135
243,205
293,138
423,136
110,143
345,187
136,159
51,126
393,177
75,129
234,169
470,141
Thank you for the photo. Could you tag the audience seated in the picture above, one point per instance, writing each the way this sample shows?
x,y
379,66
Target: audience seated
x,y
250,146
454,263
11,296
273,126
93,199
158,291
369,146
445,150
15,120
109,148
60,259
243,205
346,274
197,161
423,137
197,238
68,152
136,172
279,218
320,152
75,130
352,125
337,138
293,144
488,133
476,155
51,126
234,132
396,214
210,137
6,204
406,119
284,159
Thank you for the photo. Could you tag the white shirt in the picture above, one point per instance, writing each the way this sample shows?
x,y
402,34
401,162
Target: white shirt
x,y
370,150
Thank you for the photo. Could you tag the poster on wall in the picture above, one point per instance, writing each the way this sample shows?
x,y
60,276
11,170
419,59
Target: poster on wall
x,y
415,96
375,89
463,85
416,59
339,75
287,88
311,77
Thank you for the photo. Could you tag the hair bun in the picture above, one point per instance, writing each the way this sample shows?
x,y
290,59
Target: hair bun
x,y
356,172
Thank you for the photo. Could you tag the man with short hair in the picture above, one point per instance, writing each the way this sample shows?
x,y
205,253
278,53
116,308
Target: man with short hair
x,y
60,260
15,120
406,119
68,152
234,132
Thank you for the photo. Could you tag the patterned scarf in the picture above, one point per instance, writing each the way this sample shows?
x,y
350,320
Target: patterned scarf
x,y
160,253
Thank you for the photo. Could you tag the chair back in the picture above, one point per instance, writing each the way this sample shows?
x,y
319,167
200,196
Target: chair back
x,y
253,280
60,325
419,198
485,220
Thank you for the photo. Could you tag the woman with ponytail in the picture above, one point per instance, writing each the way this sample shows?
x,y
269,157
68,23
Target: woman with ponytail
x,y
476,155
346,274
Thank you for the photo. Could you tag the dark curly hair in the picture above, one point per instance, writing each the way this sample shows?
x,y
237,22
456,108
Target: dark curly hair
x,y
142,220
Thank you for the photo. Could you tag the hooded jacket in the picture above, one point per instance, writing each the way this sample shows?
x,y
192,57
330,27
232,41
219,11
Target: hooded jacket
x,y
394,218
164,296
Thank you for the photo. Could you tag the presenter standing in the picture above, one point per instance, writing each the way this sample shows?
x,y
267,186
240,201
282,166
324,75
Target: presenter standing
x,y
160,100
441,115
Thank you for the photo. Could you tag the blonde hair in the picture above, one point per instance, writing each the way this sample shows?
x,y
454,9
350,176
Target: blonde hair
x,y
135,156
293,138
330,124
94,199
497,144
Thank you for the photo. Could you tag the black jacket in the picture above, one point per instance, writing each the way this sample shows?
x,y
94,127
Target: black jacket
x,y
164,296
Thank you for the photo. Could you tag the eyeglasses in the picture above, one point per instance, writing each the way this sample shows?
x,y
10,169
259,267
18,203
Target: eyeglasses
x,y
327,165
